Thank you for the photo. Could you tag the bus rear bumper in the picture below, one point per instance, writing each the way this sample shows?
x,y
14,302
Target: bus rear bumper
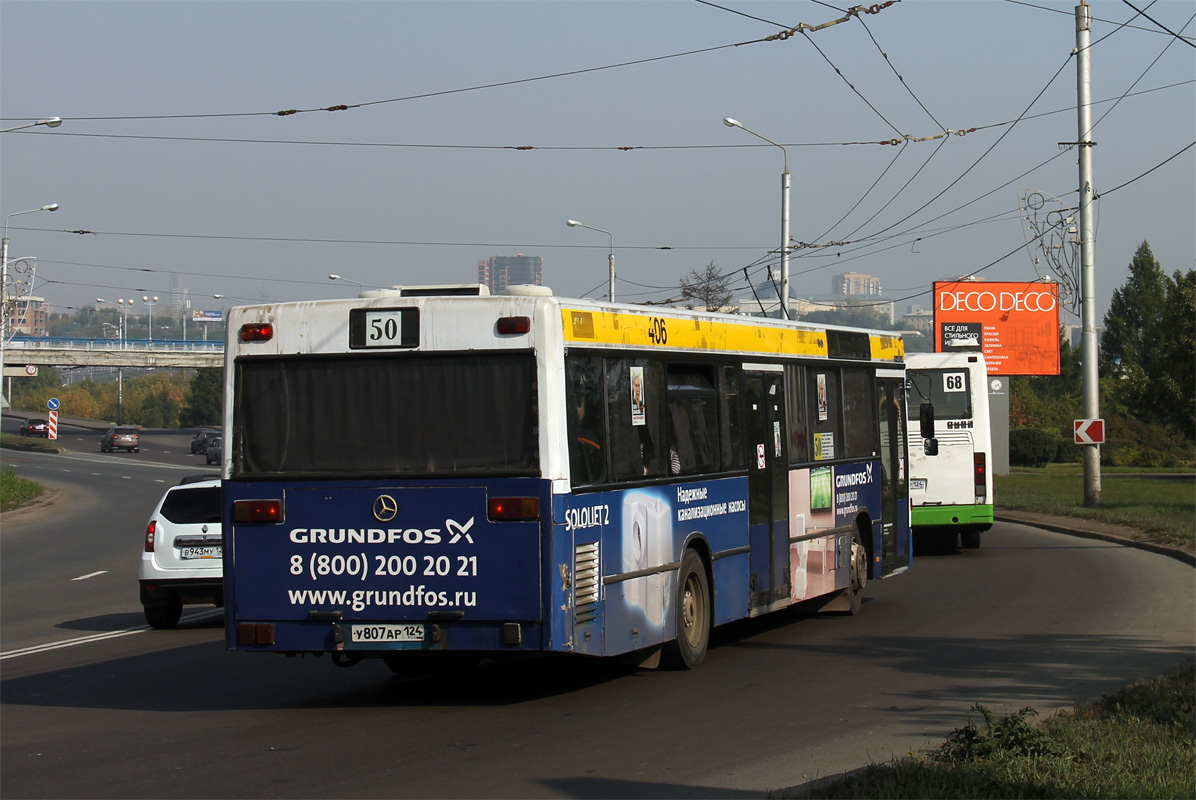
x,y
977,517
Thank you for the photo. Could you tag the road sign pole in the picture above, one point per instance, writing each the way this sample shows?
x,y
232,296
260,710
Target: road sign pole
x,y
1090,378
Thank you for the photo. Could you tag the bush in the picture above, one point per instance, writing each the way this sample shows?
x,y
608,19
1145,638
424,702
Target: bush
x,y
1031,447
1132,443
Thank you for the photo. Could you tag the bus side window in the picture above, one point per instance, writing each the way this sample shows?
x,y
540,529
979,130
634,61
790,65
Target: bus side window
x,y
635,398
799,437
587,436
731,441
693,419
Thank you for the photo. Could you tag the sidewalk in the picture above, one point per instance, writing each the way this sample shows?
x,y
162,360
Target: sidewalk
x,y
1093,529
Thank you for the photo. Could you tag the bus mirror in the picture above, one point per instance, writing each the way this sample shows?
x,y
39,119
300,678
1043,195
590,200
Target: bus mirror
x,y
926,420
930,447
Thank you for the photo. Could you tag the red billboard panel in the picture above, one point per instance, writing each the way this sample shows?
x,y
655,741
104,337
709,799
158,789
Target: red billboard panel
x,y
1016,325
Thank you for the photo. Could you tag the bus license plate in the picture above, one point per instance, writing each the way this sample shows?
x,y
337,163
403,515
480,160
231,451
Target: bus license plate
x,y
410,632
210,551
917,484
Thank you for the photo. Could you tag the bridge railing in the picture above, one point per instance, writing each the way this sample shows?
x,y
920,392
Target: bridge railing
x,y
27,343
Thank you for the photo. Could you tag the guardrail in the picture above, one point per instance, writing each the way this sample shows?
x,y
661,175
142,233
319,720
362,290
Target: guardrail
x,y
69,343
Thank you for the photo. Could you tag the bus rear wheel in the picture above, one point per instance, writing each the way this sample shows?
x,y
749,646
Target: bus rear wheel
x,y
969,538
691,612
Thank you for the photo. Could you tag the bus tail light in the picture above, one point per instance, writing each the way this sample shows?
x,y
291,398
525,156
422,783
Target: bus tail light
x,y
257,511
255,633
509,325
151,532
512,508
980,475
257,332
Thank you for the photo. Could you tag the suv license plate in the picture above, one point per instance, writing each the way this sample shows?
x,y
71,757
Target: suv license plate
x,y
211,551
410,632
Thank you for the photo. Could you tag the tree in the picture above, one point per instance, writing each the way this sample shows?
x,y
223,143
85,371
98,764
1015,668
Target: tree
x,y
1150,332
708,289
857,316
204,401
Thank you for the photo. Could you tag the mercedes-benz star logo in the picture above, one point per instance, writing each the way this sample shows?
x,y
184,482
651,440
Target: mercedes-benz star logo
x,y
385,508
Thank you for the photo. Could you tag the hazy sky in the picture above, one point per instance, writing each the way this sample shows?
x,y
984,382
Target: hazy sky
x,y
172,156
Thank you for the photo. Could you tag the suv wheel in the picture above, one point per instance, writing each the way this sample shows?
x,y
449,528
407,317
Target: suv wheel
x,y
162,617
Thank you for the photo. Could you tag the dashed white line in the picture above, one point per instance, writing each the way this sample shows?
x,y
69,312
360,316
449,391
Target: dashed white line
x,y
89,575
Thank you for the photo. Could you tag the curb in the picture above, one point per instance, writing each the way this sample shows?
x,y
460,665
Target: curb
x,y
1057,525
48,497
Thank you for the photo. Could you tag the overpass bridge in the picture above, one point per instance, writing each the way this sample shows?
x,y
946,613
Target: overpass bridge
x,y
45,351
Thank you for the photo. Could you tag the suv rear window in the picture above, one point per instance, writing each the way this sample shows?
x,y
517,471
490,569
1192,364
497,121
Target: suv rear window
x,y
125,431
192,506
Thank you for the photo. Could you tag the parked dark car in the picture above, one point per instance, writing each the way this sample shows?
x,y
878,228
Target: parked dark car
x,y
35,426
201,441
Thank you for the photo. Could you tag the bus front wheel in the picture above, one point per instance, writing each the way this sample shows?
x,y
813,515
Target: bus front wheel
x,y
691,612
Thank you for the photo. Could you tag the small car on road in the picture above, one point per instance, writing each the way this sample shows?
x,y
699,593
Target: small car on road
x,y
121,437
200,443
215,451
182,556
35,426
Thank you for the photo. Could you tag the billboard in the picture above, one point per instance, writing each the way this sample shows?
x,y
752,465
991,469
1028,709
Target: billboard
x,y
207,316
1016,325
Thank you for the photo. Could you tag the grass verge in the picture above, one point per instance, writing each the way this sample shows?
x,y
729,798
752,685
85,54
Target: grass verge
x,y
1163,506
1138,742
15,491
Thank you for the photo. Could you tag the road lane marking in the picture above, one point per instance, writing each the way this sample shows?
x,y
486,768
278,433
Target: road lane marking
x,y
99,637
89,575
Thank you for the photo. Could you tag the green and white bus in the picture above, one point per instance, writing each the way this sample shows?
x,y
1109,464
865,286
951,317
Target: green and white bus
x,y
950,486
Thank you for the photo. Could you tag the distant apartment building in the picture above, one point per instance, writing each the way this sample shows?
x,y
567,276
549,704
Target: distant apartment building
x,y
499,272
854,284
28,316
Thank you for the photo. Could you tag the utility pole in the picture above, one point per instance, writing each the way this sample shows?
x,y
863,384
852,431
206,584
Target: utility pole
x,y
1088,347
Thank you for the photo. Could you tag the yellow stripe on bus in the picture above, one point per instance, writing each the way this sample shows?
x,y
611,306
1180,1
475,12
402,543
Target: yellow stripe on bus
x,y
586,326
647,331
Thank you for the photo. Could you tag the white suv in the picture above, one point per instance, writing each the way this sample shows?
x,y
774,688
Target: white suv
x,y
182,560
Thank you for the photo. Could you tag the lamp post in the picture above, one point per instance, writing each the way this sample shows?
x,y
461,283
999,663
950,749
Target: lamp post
x,y
335,277
125,305
610,291
50,122
4,282
149,301
731,123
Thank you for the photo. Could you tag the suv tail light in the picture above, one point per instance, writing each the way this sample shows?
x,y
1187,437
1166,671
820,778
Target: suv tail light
x,y
151,532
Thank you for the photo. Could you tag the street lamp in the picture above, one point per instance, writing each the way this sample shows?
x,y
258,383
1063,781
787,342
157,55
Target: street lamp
x,y
4,282
150,302
572,223
731,123
126,305
52,122
360,288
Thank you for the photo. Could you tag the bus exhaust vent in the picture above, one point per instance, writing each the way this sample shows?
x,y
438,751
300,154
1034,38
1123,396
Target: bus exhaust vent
x,y
585,589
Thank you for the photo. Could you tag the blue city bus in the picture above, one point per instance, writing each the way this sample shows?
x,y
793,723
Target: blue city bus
x,y
424,475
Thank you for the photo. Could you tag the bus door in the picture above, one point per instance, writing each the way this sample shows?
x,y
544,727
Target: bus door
x,y
768,486
894,475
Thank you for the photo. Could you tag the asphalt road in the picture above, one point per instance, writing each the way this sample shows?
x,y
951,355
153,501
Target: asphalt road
x,y
1032,618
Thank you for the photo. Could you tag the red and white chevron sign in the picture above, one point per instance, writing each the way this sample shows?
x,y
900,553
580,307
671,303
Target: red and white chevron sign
x,y
52,426
1089,431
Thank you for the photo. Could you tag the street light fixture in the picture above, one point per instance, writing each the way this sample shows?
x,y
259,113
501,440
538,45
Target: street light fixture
x,y
51,122
610,291
4,281
334,277
732,123
149,301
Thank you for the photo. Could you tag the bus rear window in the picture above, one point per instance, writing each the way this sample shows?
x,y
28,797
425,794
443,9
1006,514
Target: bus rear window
x,y
386,415
948,389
